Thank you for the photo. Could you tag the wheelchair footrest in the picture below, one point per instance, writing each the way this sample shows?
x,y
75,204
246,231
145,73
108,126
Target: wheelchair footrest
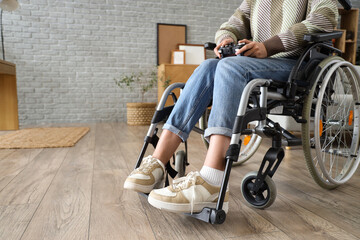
x,y
210,215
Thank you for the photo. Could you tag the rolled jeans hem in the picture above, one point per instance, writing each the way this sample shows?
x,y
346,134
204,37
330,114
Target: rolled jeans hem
x,y
217,131
184,136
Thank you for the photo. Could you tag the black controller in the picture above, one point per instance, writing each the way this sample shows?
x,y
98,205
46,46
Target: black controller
x,y
229,50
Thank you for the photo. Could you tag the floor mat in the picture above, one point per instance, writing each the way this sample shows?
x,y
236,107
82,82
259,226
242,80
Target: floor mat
x,y
43,137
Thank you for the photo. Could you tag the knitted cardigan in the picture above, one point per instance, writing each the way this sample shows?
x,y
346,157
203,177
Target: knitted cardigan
x,y
279,24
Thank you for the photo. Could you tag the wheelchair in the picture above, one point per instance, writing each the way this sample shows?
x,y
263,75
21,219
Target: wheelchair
x,y
322,94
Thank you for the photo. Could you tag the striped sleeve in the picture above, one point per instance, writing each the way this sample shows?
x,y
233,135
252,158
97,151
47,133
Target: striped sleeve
x,y
238,26
321,17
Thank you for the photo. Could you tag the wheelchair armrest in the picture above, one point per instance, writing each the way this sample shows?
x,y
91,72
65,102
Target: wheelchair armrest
x,y
209,46
314,53
346,4
322,36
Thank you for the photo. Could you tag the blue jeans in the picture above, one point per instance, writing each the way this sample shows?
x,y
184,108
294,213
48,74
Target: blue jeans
x,y
222,82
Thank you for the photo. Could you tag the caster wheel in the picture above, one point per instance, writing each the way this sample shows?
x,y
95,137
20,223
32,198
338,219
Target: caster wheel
x,y
217,216
266,195
180,163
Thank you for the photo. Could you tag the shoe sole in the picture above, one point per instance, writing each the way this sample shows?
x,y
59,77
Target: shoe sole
x,y
184,207
142,188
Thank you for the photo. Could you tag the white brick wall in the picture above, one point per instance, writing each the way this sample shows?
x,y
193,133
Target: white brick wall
x,y
68,52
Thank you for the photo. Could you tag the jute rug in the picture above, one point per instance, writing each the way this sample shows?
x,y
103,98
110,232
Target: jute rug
x,y
43,137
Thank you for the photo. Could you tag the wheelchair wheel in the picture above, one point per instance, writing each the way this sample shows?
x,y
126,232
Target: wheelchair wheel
x,y
331,134
180,163
250,143
264,198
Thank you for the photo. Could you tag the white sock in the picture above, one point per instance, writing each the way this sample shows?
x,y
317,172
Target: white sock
x,y
212,176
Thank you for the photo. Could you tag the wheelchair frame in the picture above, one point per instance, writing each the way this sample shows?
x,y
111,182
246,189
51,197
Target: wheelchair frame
x,y
291,96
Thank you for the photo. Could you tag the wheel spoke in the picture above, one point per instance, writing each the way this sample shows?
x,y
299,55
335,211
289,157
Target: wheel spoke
x,y
331,101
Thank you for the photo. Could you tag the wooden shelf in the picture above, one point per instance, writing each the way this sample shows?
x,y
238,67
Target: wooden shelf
x,y
8,97
174,73
349,25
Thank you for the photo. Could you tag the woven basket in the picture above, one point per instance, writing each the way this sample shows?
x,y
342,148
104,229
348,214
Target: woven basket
x,y
140,113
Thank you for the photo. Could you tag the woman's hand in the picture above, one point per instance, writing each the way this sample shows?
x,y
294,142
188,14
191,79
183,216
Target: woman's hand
x,y
252,49
224,42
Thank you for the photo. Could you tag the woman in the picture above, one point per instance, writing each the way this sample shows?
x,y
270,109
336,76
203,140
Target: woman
x,y
276,28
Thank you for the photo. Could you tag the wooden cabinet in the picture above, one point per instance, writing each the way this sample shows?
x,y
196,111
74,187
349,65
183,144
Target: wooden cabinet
x,y
8,97
349,25
173,73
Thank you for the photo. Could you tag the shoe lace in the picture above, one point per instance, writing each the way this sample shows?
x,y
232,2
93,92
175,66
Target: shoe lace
x,y
146,164
186,182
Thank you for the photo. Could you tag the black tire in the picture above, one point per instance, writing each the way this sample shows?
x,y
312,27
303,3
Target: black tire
x,y
265,198
330,144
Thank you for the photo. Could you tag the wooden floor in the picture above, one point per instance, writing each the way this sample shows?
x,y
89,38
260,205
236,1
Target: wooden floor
x,y
77,193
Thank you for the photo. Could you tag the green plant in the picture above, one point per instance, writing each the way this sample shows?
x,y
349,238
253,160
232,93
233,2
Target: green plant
x,y
166,82
145,81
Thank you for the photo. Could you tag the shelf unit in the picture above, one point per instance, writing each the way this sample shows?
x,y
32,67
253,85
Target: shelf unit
x,y
348,23
174,73
9,119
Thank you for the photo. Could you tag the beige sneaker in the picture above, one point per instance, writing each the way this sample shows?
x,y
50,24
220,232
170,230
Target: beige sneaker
x,y
187,195
148,176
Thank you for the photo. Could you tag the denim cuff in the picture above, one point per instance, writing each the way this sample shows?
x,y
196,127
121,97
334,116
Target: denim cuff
x,y
176,131
217,131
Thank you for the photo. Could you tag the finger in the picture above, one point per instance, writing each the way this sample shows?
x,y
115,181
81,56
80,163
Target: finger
x,y
250,53
245,41
245,48
237,51
227,42
216,51
253,52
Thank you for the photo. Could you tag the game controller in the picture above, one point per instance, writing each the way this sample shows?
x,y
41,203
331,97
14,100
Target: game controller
x,y
229,50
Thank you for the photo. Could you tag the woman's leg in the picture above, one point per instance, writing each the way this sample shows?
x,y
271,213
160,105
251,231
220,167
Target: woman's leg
x,y
216,152
166,147
192,103
231,77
